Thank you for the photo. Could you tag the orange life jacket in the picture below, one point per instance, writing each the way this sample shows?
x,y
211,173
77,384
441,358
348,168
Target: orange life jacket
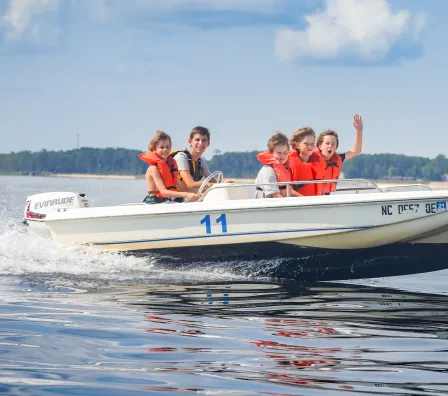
x,y
282,171
168,170
330,169
302,171
319,167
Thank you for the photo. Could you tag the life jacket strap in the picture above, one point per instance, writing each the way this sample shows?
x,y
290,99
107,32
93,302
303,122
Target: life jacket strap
x,y
195,167
330,164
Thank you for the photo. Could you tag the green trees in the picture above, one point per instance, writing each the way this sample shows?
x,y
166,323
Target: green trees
x,y
236,164
83,160
368,166
232,164
394,166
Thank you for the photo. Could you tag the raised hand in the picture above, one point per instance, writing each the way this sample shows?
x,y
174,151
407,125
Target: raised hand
x,y
357,122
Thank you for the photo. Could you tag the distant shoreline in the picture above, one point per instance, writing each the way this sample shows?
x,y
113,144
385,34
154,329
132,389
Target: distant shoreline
x,y
92,176
437,185
74,175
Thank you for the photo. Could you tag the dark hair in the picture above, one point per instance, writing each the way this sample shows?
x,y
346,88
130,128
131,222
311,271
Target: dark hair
x,y
277,139
160,135
298,136
201,131
328,132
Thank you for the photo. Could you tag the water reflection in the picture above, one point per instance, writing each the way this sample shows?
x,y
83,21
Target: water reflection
x,y
239,338
322,338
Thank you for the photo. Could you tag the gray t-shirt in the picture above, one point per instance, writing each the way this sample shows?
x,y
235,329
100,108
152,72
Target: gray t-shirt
x,y
182,164
266,175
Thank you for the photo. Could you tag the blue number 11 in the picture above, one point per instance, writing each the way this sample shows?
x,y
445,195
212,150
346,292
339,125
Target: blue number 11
x,y
221,219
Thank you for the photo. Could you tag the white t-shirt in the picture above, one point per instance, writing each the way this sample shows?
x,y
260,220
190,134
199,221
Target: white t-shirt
x,y
266,175
182,164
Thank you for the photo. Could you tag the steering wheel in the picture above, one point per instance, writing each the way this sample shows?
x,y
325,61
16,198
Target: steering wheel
x,y
215,175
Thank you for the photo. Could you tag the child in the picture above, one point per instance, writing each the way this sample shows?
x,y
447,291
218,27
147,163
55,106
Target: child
x,y
275,170
302,168
161,176
192,167
330,162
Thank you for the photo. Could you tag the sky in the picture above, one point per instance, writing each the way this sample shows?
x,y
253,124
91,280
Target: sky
x,y
114,71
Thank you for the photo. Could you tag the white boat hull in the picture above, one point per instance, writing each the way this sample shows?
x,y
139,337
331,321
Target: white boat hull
x,y
331,222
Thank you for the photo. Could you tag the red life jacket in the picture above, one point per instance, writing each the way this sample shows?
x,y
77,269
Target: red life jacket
x,y
330,169
168,170
303,171
282,171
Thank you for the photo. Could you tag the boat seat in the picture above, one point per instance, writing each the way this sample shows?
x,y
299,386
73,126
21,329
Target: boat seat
x,y
230,191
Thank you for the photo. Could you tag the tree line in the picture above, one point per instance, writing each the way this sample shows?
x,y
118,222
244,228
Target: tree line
x,y
83,160
233,164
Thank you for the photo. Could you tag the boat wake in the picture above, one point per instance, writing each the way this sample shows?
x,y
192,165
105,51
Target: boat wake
x,y
37,259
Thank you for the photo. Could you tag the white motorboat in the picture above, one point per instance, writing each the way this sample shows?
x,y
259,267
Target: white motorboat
x,y
359,215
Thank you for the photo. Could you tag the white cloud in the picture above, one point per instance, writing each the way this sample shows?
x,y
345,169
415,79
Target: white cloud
x,y
367,28
22,16
37,21
239,5
19,19
102,10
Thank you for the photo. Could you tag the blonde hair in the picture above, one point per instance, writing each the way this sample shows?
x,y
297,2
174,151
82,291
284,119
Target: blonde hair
x,y
160,135
277,139
298,136
328,132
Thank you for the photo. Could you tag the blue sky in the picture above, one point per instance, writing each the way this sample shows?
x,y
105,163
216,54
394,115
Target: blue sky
x,y
116,70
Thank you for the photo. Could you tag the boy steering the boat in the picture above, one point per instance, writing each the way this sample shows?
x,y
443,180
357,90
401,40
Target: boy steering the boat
x,y
162,175
191,165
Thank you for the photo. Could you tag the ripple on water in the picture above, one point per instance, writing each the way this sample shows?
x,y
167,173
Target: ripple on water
x,y
240,337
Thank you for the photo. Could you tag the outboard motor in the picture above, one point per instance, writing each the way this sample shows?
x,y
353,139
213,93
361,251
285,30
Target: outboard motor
x,y
39,205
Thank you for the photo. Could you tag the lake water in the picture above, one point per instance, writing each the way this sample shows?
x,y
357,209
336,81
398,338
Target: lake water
x,y
87,323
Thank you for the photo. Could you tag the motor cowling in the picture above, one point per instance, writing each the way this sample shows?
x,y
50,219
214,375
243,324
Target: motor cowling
x,y
39,205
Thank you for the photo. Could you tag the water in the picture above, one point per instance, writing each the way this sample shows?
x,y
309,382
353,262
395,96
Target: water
x,y
82,323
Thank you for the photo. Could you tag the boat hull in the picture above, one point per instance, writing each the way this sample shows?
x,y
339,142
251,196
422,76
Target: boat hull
x,y
320,222
326,237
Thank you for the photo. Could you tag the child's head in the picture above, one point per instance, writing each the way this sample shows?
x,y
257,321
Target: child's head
x,y
328,143
161,144
199,139
278,145
303,140
199,130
